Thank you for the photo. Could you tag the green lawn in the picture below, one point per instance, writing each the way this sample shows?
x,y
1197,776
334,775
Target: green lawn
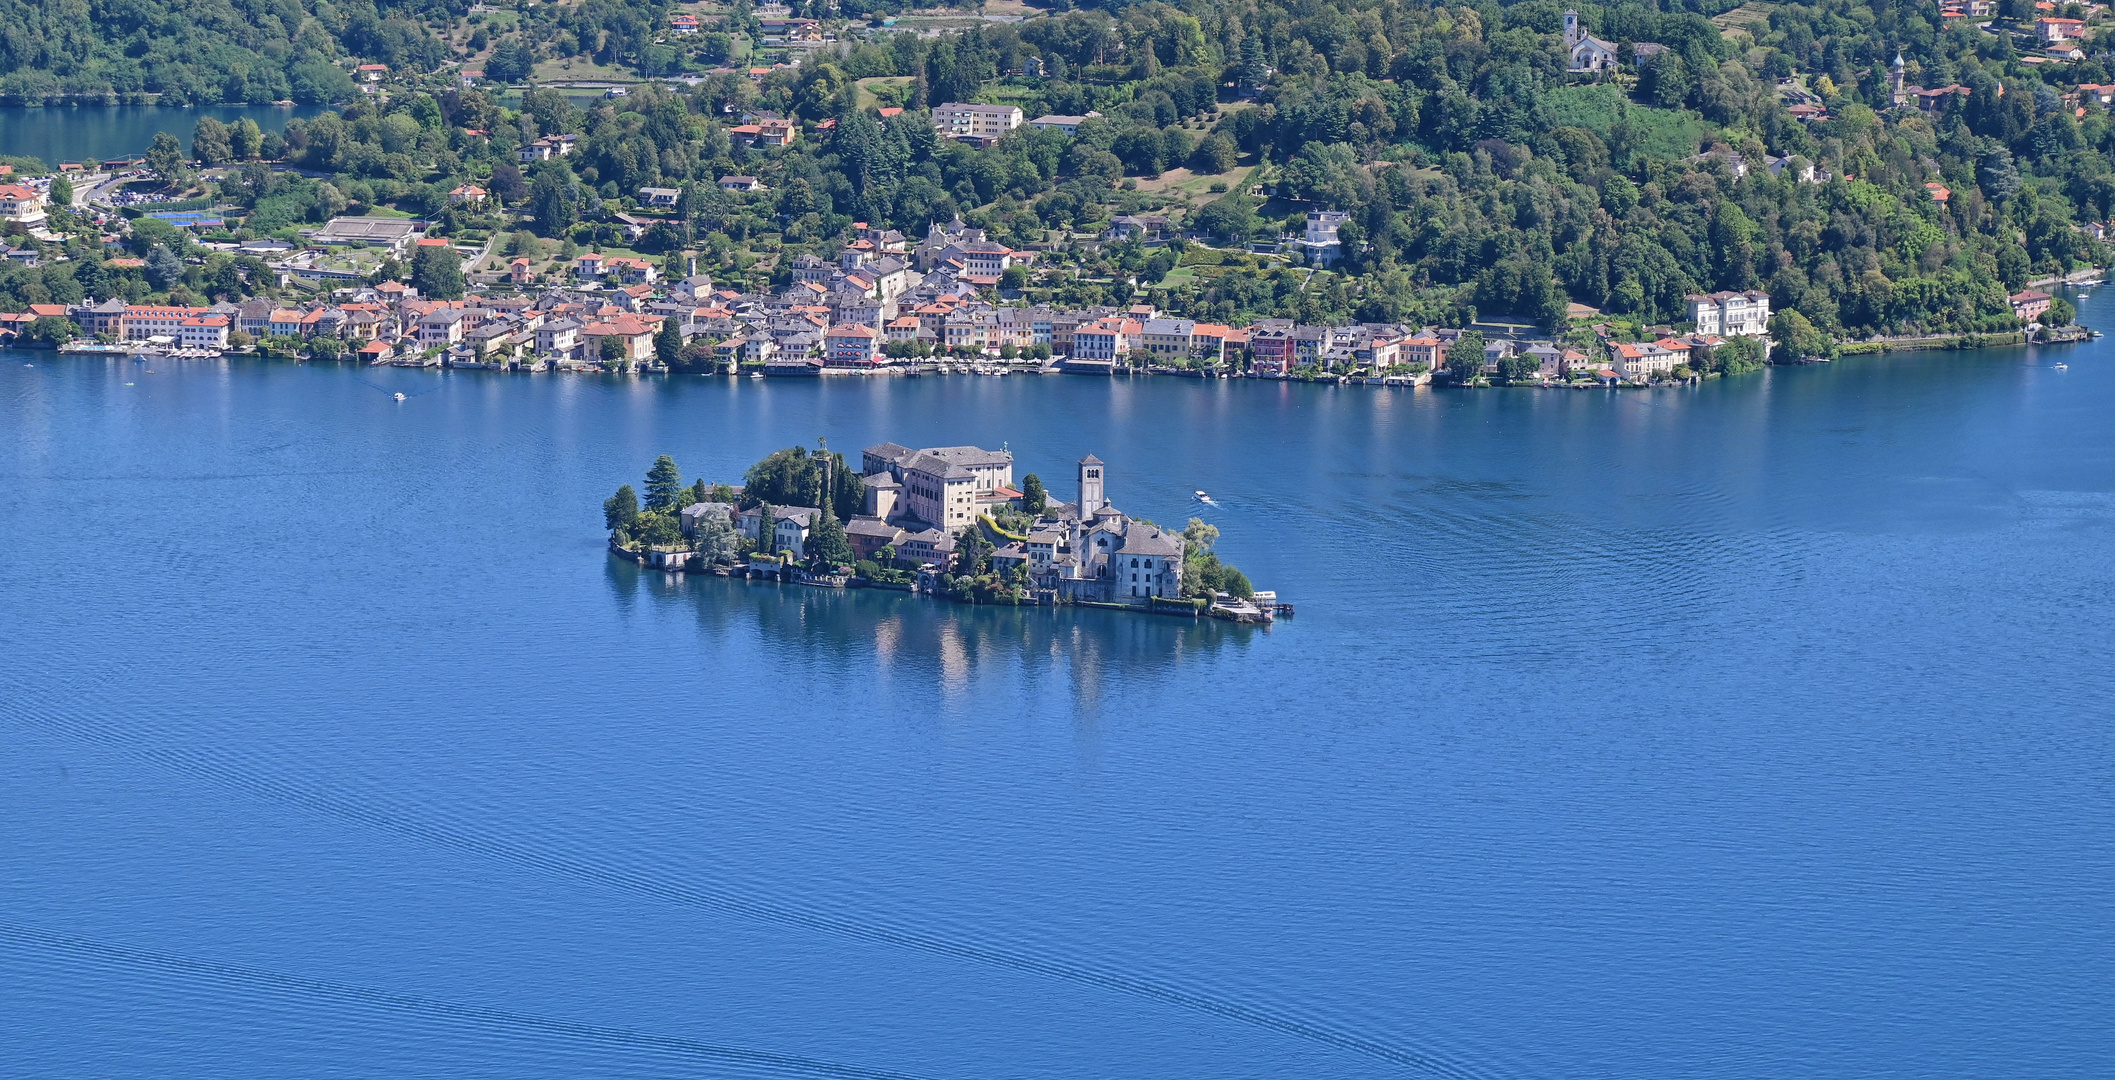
x,y
1663,133
870,99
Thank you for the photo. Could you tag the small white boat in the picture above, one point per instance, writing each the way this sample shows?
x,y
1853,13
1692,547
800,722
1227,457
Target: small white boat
x,y
2061,366
1200,496
399,395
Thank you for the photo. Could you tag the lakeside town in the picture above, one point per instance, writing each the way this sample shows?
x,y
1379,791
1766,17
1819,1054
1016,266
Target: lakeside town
x,y
884,305
945,521
472,285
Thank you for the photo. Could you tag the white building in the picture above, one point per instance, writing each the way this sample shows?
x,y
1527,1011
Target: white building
x,y
203,332
1731,314
18,203
959,121
1584,51
1320,242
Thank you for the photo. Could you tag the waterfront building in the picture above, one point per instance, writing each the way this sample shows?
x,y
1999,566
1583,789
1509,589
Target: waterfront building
x,y
1167,339
852,345
203,332
636,332
948,486
2030,304
1107,340
789,528
1731,314
143,321
1089,550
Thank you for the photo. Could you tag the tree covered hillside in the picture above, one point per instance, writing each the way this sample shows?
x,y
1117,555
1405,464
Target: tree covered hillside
x,y
1480,176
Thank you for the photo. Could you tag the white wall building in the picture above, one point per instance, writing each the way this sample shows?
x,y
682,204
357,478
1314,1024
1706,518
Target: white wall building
x,y
1731,314
956,120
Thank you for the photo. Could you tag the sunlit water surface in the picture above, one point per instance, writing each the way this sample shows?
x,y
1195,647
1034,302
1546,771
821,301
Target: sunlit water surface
x,y
1753,730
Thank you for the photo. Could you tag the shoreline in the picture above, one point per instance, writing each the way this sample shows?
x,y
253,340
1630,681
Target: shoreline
x,y
2075,334
1263,612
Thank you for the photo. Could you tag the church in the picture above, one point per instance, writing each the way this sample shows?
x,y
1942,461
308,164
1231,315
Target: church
x,y
1586,52
1089,550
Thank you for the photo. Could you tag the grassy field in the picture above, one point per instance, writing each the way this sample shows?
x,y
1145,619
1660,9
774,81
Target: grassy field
x,y
1182,181
1663,133
575,69
869,99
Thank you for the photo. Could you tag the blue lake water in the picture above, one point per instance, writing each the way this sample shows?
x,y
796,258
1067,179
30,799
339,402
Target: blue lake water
x,y
57,133
1753,730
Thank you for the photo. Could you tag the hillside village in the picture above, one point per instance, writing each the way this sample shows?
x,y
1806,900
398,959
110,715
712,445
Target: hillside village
x,y
1175,190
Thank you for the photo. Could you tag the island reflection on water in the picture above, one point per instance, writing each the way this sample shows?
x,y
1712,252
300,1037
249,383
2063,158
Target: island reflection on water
x,y
897,632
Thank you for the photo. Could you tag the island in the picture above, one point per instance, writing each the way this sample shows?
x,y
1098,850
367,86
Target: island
x,y
945,521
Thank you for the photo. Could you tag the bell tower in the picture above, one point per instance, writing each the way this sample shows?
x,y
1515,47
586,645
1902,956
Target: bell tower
x,y
1091,497
1571,29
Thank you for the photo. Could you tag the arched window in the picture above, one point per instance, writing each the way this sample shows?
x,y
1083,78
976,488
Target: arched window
x,y
1134,562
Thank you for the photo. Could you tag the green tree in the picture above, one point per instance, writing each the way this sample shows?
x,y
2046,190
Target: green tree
x,y
972,552
437,273
52,330
715,540
766,529
61,194
325,348
165,158
1033,498
1465,358
664,485
621,509
1798,337
827,543
209,142
245,139
668,342
613,350
553,200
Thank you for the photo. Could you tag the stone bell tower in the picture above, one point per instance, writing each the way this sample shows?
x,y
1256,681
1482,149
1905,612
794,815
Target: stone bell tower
x,y
1571,29
1091,496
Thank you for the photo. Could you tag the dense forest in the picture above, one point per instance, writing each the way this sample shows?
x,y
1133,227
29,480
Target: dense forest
x,y
1480,176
